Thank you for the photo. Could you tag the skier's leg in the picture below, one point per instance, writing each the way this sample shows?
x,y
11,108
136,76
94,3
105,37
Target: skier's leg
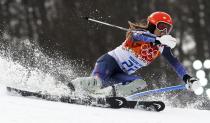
x,y
110,74
104,68
124,85
107,73
128,84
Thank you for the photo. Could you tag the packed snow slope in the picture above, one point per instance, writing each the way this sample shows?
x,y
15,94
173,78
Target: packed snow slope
x,y
16,109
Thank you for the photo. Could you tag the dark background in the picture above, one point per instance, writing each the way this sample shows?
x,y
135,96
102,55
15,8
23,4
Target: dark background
x,y
56,28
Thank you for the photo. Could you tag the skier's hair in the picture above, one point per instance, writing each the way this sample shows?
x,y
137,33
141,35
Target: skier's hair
x,y
138,25
141,25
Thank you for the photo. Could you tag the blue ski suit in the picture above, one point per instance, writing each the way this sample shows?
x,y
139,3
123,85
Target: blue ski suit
x,y
135,52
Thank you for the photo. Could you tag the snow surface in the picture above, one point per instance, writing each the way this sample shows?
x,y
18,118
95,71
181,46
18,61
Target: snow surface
x,y
16,109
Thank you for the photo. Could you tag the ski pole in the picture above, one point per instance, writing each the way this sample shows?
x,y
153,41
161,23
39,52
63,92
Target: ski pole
x,y
107,24
166,89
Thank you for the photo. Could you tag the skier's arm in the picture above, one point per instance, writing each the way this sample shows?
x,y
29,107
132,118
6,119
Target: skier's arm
x,y
146,36
191,83
143,36
174,62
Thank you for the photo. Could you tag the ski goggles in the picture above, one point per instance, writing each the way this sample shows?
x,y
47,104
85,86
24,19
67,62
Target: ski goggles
x,y
162,26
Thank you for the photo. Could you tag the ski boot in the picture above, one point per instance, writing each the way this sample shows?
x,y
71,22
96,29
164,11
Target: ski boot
x,y
89,86
130,88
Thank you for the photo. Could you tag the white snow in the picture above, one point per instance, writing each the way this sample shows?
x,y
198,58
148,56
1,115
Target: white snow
x,y
15,109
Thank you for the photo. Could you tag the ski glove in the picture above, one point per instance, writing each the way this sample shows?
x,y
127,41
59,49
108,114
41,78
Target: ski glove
x,y
167,40
192,83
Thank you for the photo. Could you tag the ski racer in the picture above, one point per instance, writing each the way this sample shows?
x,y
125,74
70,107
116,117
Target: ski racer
x,y
143,44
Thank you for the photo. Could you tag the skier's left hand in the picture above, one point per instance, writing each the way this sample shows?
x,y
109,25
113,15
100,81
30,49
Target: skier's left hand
x,y
192,83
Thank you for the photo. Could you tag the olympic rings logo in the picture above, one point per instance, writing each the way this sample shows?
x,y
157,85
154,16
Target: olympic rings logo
x,y
148,52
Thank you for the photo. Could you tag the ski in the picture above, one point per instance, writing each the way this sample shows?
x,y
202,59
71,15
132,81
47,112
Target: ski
x,y
105,102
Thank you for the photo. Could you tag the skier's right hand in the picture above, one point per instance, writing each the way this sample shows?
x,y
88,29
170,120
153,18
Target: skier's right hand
x,y
167,40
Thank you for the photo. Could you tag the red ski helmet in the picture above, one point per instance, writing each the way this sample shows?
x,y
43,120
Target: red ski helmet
x,y
161,20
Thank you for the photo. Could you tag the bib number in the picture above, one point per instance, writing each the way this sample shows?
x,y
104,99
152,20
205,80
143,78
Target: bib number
x,y
131,65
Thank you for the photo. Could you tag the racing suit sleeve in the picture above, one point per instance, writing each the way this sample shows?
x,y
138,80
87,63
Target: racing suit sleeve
x,y
143,36
174,62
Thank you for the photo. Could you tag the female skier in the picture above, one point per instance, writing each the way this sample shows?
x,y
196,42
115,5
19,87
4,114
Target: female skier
x,y
143,44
